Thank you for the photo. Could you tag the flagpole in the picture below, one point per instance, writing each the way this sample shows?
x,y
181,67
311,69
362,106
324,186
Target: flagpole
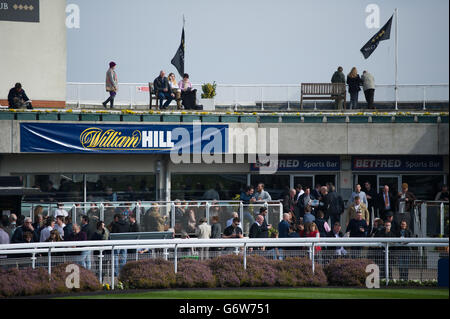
x,y
396,59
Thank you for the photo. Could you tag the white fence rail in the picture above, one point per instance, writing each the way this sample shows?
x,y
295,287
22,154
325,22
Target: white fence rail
x,y
252,94
241,246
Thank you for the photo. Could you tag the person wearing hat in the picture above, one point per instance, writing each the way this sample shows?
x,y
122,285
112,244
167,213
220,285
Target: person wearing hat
x,y
111,84
405,205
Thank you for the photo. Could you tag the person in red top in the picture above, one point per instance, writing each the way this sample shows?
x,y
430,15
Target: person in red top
x,y
312,231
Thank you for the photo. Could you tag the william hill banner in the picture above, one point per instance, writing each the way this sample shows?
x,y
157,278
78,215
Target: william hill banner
x,y
19,10
125,139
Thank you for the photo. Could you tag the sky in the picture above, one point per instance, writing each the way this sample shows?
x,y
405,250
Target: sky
x,y
257,41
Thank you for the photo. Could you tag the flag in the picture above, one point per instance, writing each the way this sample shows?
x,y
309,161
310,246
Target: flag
x,y
178,59
383,34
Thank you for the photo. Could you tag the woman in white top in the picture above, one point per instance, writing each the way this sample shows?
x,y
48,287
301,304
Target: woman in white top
x,y
176,91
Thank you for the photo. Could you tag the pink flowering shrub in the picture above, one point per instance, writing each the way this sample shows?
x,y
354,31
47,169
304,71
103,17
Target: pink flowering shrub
x,y
261,272
347,272
229,271
297,272
148,274
194,274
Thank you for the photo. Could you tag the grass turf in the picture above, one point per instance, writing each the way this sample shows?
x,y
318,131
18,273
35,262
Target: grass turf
x,y
280,293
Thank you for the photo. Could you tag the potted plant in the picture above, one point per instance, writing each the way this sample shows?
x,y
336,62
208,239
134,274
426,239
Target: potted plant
x,y
209,92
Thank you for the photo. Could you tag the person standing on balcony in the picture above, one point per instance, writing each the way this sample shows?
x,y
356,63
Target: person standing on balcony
x,y
405,205
369,88
112,84
176,91
338,77
354,82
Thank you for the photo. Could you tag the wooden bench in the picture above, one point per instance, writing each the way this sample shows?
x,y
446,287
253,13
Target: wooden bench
x,y
142,235
322,91
153,94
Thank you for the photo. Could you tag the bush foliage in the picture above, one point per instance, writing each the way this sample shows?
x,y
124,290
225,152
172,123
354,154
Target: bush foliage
x,y
347,272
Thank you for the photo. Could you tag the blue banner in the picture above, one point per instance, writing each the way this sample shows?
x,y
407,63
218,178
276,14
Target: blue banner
x,y
304,163
112,138
398,163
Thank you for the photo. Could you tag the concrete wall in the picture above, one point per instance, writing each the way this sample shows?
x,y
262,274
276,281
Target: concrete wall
x,y
35,54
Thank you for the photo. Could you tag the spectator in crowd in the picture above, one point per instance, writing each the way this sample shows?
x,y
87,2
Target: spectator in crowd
x,y
443,194
12,225
354,83
233,231
49,226
298,191
102,233
88,227
188,95
119,225
60,211
312,231
263,211
247,197
289,201
4,236
153,220
230,221
283,226
316,193
386,202
392,223
212,194
303,201
38,224
175,89
301,229
378,227
308,217
405,205
403,256
361,194
371,196
54,236
256,230
261,195
368,83
18,99
68,229
59,225
38,210
338,77
110,195
357,227
111,84
18,236
77,235
335,205
20,221
323,201
358,206
134,226
216,228
203,231
386,231
337,233
161,85
321,223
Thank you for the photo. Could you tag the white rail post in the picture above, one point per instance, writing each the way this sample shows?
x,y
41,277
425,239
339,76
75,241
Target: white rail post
x,y
208,206
424,98
112,267
49,260
138,214
102,212
423,217
175,256
262,98
287,98
312,257
442,212
131,97
166,254
100,266
78,94
33,261
172,217
74,214
245,256
386,262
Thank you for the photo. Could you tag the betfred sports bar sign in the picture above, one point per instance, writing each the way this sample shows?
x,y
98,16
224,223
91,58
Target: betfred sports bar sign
x,y
397,163
19,10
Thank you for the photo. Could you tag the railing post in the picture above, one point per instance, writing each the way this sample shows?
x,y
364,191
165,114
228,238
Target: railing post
x,y
33,261
172,217
138,213
74,214
312,257
442,218
386,262
245,256
281,211
287,97
112,267
102,212
78,94
208,206
49,260
262,98
166,254
131,97
241,213
424,98
100,266
423,217
176,258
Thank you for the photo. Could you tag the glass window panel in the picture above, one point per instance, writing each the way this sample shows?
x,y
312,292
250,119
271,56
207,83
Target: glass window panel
x,y
276,185
55,187
424,187
206,186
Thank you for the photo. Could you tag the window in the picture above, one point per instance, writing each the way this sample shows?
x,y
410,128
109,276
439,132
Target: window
x,y
206,186
55,187
424,187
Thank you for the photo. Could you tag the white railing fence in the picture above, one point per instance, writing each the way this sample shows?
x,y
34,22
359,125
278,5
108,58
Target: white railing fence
x,y
131,94
383,247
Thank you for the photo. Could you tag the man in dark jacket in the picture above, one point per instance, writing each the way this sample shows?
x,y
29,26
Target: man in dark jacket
x,y
385,202
335,206
161,85
338,77
119,225
17,98
134,226
357,227
263,211
27,226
